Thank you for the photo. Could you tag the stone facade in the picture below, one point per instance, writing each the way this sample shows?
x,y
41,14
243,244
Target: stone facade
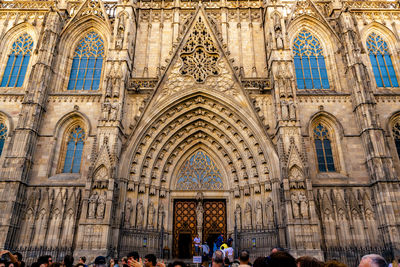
x,y
213,76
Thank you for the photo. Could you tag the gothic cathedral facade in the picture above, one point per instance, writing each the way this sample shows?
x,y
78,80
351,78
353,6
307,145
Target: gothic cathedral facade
x,y
135,125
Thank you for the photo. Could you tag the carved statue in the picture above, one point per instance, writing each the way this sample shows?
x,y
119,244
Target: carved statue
x,y
109,85
278,31
139,214
292,111
151,214
285,110
247,215
199,213
269,210
120,32
303,205
106,109
160,215
114,111
92,205
238,217
295,205
101,206
128,211
259,213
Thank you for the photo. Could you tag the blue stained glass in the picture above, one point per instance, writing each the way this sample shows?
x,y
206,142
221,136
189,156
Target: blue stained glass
x,y
87,63
199,172
17,63
381,62
323,149
3,135
73,155
309,62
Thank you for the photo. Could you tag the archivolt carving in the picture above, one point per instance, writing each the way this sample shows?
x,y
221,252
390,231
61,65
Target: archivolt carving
x,y
197,118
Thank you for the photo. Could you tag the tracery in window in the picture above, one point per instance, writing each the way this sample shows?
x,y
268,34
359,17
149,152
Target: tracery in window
x,y
309,62
3,135
17,63
199,55
199,172
87,63
74,149
323,149
396,135
381,61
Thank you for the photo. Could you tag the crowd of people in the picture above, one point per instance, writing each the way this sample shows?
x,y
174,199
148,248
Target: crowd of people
x,y
220,258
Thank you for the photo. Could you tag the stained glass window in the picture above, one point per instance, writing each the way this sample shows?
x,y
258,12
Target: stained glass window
x,y
323,149
381,61
87,63
396,135
199,172
17,62
3,135
309,62
73,155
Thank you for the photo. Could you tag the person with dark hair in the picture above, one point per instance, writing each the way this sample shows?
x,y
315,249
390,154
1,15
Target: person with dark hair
x,y
100,261
13,257
307,261
150,260
279,259
334,263
260,262
68,261
2,263
55,264
244,257
78,265
44,261
178,264
276,249
82,260
372,260
133,255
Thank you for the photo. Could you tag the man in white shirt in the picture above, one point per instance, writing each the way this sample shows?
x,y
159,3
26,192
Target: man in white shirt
x,y
229,253
197,245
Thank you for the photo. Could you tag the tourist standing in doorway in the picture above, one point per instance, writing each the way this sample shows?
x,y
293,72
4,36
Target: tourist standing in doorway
x,y
197,244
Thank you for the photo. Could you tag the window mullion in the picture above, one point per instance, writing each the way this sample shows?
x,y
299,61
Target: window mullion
x,y
319,71
19,70
379,69
77,72
94,70
302,71
324,153
387,71
311,74
73,158
11,71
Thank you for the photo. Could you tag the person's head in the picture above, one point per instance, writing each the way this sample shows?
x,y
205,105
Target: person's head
x,y
2,263
10,264
100,261
244,257
178,264
78,265
68,260
276,249
260,262
55,264
44,261
281,258
133,256
307,261
19,256
82,260
218,258
124,260
334,263
150,260
372,260
227,262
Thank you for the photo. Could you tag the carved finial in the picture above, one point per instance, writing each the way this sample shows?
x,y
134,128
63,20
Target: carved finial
x,y
76,107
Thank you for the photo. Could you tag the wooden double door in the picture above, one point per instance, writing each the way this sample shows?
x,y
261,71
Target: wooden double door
x,y
185,224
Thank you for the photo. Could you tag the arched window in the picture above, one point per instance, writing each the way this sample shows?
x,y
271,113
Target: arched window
x,y
3,135
323,149
17,62
309,62
396,135
74,149
87,63
381,61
